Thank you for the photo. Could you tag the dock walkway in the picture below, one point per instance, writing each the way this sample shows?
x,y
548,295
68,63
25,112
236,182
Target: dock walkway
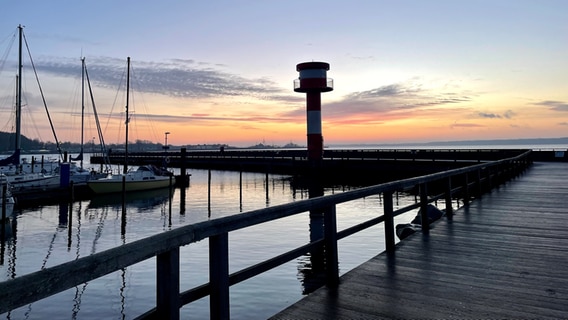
x,y
502,256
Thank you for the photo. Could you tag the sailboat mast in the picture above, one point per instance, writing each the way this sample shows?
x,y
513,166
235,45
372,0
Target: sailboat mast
x,y
19,97
82,108
127,118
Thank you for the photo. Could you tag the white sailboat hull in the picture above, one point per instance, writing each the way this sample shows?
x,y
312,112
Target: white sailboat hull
x,y
115,185
31,180
144,178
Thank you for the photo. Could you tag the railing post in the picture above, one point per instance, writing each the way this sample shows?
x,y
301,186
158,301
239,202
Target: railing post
x,y
466,189
330,240
219,276
449,208
389,221
424,207
167,284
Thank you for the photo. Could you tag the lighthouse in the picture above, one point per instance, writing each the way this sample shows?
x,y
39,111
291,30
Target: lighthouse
x,y
313,81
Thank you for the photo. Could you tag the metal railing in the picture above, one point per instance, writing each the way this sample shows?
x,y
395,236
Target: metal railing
x,y
466,182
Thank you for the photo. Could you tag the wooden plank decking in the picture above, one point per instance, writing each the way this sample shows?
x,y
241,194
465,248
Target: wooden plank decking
x,y
502,256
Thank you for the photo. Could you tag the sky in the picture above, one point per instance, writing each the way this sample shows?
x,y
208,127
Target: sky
x,y
213,72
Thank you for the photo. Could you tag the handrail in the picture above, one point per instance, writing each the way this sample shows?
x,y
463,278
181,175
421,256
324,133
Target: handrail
x,y
165,246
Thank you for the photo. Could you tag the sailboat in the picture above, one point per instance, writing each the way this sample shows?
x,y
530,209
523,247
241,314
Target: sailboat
x,y
78,174
15,173
145,177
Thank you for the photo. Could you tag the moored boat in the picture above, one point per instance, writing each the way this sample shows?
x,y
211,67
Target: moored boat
x,y
17,173
146,177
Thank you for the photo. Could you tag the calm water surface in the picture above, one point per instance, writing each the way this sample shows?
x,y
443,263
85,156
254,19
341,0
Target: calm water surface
x,y
41,238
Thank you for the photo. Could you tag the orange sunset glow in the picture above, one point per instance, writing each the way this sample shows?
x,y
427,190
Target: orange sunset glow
x,y
403,72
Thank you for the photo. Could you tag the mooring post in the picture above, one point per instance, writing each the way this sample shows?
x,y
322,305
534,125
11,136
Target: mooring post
x,y
209,193
240,190
266,188
171,195
183,167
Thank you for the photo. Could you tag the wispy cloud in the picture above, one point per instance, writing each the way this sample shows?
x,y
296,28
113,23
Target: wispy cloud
x,y
554,105
466,125
398,100
187,78
175,78
509,114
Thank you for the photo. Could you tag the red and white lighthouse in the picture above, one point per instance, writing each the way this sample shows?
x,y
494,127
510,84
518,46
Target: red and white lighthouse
x,y
313,81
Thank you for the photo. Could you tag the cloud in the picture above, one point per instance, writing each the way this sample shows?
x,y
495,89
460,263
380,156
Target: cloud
x,y
182,78
488,115
509,114
223,118
188,78
554,105
466,125
397,100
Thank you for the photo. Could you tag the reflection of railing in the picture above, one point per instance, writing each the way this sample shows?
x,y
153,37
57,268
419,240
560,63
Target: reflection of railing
x,y
166,246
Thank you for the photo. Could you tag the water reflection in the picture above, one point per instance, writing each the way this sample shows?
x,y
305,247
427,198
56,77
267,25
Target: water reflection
x,y
145,200
314,276
53,234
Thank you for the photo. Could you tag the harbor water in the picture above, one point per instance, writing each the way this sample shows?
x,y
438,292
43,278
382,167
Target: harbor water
x,y
44,236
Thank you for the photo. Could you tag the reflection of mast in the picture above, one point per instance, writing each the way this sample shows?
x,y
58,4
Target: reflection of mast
x,y
79,292
62,212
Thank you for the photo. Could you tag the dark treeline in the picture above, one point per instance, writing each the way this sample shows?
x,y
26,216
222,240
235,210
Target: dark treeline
x,y
7,144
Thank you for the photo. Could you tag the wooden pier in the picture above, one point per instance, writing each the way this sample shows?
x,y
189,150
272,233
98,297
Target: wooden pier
x,y
504,255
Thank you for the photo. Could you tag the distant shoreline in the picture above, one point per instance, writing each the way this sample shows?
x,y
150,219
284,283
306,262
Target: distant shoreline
x,y
464,143
535,143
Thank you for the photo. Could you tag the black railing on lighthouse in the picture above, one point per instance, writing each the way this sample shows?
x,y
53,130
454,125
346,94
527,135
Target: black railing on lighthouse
x,y
166,246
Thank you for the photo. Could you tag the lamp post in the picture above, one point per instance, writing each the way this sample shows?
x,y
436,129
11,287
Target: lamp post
x,y
166,138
